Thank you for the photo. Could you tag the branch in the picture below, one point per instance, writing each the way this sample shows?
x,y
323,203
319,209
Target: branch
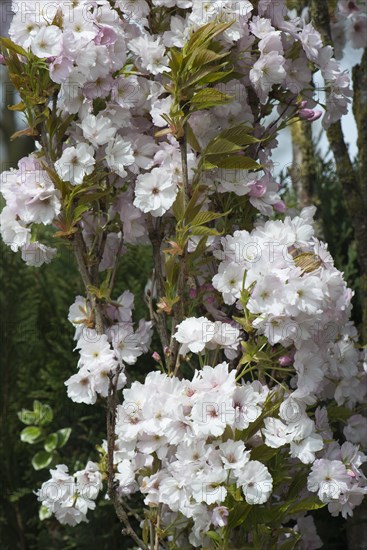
x,y
79,251
303,166
179,308
354,197
111,486
158,280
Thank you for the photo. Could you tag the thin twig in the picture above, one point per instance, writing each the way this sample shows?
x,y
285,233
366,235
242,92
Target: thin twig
x,y
111,486
79,248
179,309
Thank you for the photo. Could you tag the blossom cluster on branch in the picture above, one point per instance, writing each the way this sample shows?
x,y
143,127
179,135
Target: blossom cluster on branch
x,y
154,124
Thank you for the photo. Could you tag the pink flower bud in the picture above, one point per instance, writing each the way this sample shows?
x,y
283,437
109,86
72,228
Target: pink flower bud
x,y
192,293
280,207
167,351
285,360
257,189
157,357
303,104
309,114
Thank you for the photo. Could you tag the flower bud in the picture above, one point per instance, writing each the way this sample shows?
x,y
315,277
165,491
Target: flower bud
x,y
309,114
280,207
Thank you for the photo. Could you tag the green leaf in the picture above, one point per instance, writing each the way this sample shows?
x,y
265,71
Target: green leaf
x,y
63,437
203,231
263,453
221,147
296,486
238,515
205,217
31,435
16,495
209,97
18,107
238,162
179,205
205,34
213,535
241,135
41,460
175,60
43,413
304,505
44,513
203,57
191,138
10,45
51,442
208,75
27,417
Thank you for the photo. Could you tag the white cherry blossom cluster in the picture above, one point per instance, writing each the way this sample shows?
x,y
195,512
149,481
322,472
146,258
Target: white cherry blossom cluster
x,y
297,299
190,427
183,444
91,53
102,354
31,199
197,334
70,497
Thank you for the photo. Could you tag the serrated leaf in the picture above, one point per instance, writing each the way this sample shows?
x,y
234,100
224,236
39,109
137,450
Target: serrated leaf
x,y
31,435
205,35
178,206
41,460
202,231
50,443
209,97
199,250
191,138
221,146
204,56
205,217
241,135
217,76
238,162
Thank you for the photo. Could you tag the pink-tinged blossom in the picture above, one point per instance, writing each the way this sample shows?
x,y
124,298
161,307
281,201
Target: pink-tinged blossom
x,y
75,163
267,72
151,54
256,482
47,42
119,155
329,478
155,192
